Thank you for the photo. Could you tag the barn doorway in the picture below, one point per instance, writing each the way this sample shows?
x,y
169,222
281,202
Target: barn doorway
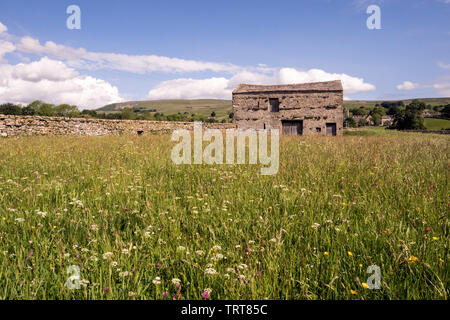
x,y
331,129
292,127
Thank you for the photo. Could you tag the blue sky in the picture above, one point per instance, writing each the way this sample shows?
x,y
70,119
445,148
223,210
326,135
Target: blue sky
x,y
136,50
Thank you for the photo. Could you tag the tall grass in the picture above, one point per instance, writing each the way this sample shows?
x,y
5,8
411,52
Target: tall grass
x,y
118,208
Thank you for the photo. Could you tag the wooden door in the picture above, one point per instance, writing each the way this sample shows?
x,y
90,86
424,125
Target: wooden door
x,y
331,129
292,127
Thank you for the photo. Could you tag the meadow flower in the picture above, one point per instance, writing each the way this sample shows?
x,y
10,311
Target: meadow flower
x,y
435,238
350,253
200,252
325,253
176,281
210,271
352,291
181,248
125,251
124,274
412,259
217,248
20,219
165,294
365,285
41,213
206,293
106,255
242,266
94,228
218,257
131,294
157,281
315,225
84,282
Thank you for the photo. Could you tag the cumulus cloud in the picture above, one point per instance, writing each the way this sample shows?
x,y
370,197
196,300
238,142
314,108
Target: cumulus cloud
x,y
52,81
221,88
350,84
81,58
3,29
45,69
408,85
59,63
5,47
213,88
443,88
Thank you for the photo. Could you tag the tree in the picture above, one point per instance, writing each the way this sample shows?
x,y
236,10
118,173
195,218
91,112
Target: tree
x,y
411,118
28,111
213,114
376,119
127,114
65,110
350,123
10,109
446,111
362,122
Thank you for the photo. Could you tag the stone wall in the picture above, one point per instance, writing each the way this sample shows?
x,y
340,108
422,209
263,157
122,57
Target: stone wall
x,y
315,105
34,125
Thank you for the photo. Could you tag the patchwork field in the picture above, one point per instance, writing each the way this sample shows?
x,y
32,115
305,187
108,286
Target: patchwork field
x,y
140,227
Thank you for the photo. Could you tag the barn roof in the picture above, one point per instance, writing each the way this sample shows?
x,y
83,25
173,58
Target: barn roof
x,y
311,86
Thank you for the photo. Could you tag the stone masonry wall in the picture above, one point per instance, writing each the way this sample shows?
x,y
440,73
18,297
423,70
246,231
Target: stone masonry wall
x,y
35,125
251,110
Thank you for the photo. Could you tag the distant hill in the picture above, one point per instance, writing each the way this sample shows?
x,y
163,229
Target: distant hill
x,y
204,107
372,103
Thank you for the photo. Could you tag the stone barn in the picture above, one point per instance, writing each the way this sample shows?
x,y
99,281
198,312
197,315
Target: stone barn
x,y
294,109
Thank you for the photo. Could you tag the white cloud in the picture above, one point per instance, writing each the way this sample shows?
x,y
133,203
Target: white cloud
x,y
443,88
213,88
221,88
5,47
44,69
52,81
350,84
408,85
3,28
443,65
81,58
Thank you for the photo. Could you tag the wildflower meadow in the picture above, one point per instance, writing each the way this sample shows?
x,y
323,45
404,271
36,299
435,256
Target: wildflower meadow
x,y
117,217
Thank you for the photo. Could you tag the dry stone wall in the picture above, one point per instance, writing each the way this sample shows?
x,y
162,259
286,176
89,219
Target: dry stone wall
x,y
34,125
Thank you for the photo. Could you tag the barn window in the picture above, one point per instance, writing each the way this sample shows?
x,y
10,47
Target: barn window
x,y
274,105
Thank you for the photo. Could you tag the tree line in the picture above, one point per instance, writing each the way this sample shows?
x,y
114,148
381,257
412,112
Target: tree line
x,y
406,117
40,108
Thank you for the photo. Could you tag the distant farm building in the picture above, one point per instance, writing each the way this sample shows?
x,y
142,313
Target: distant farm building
x,y
294,109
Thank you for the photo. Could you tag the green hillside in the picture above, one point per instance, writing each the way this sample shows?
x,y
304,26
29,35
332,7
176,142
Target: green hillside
x,y
202,107
371,103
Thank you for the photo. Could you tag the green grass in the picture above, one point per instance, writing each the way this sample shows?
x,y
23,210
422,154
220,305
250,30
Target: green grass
x,y
382,198
202,107
436,124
